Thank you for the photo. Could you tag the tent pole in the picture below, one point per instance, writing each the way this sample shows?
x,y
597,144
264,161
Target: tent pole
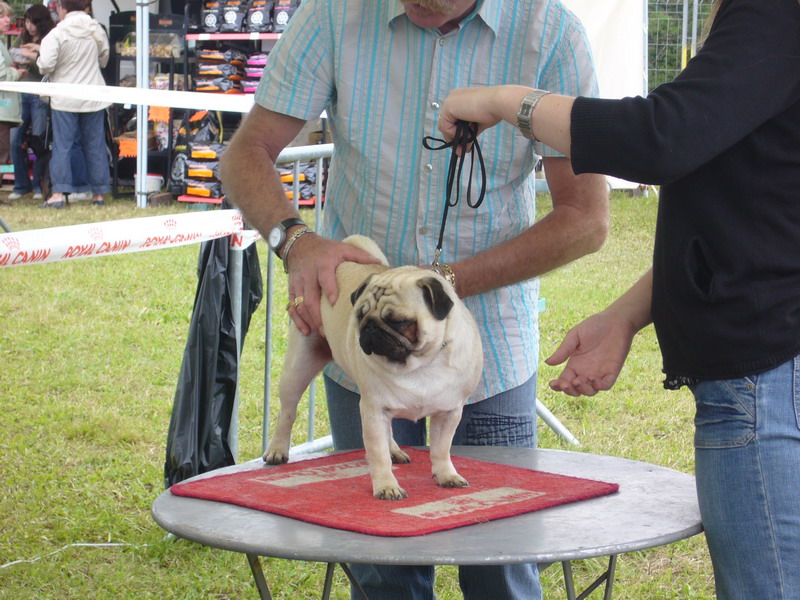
x,y
235,266
143,82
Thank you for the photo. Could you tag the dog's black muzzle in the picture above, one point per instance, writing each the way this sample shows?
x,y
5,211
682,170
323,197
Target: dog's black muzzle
x,y
376,340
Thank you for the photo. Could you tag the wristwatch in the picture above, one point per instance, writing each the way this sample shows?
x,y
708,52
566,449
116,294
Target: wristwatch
x,y
529,102
277,235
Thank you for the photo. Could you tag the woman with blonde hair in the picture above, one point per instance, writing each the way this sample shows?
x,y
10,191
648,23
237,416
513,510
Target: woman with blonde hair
x,y
723,142
10,111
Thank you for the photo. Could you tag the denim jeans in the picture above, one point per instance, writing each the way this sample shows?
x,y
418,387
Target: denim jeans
x,y
89,129
34,116
747,454
508,419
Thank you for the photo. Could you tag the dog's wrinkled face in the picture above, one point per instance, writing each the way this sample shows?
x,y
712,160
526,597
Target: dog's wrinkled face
x,y
400,313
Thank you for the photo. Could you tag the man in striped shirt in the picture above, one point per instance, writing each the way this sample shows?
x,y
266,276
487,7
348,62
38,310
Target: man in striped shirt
x,y
380,68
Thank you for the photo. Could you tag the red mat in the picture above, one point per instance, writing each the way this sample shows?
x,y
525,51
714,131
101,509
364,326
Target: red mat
x,y
335,491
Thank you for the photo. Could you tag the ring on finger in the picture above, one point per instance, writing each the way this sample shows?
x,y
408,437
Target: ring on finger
x,y
294,303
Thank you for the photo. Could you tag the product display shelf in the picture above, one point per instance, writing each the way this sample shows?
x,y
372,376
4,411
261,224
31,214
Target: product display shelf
x,y
162,155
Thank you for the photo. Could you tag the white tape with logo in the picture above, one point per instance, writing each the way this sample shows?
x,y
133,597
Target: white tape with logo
x,y
241,103
118,237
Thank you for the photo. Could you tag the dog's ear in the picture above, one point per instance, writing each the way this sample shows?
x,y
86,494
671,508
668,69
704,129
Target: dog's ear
x,y
437,300
360,290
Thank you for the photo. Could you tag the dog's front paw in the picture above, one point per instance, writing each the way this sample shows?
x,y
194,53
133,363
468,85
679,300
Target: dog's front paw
x,y
275,456
390,493
451,481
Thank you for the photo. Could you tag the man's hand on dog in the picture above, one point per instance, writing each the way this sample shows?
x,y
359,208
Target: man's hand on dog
x,y
312,270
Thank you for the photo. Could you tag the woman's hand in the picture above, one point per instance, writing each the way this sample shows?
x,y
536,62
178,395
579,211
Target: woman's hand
x,y
30,50
595,351
485,106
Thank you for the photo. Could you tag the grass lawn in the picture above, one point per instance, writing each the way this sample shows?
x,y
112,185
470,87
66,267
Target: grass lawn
x,y
90,352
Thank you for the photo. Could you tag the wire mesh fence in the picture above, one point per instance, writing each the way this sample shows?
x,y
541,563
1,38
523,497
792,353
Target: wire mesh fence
x,y
674,31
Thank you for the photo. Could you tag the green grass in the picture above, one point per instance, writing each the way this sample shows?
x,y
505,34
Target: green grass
x,y
90,352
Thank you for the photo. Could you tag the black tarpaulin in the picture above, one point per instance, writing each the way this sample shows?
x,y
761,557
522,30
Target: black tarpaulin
x,y
197,439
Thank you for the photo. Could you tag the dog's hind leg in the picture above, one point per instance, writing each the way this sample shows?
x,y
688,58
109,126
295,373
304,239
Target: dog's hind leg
x,y
398,456
305,357
443,428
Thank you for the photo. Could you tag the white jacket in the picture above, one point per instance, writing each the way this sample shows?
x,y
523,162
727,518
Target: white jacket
x,y
74,52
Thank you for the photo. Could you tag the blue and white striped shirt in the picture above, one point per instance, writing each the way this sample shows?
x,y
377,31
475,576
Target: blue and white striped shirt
x,y
381,79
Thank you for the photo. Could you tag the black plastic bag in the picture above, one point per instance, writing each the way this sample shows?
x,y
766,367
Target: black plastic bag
x,y
197,440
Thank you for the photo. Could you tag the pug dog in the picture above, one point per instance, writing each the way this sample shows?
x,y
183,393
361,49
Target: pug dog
x,y
412,347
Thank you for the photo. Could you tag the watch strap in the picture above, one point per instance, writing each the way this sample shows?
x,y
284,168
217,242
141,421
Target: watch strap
x,y
525,113
285,225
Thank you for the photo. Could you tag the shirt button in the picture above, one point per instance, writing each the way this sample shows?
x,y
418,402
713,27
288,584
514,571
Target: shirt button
x,y
428,168
435,105
442,41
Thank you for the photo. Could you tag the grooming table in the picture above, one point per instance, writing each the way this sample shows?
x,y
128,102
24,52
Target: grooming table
x,y
653,507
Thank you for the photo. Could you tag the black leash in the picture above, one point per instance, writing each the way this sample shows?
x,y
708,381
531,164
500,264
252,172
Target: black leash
x,y
466,133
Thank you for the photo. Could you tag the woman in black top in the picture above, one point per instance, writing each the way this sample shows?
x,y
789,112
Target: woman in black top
x,y
723,142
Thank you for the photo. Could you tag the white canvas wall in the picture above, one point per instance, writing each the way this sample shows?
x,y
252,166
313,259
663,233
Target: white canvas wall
x,y
618,34
617,30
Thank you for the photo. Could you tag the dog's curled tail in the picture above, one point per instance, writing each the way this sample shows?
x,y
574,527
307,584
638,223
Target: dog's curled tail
x,y
366,244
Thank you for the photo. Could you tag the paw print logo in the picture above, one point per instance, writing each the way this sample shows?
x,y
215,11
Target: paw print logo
x,y
11,243
96,233
170,224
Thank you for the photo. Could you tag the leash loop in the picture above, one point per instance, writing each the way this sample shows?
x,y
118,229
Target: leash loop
x,y
466,134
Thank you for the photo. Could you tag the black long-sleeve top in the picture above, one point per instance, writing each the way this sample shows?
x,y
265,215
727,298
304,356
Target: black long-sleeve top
x,y
723,141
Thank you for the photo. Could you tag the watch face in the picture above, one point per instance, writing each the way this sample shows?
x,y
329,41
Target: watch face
x,y
275,237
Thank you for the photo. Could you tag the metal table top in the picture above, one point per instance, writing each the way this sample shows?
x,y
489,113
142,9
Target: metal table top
x,y
654,506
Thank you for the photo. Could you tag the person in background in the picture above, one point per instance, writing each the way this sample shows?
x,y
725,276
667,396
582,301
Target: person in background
x,y
380,68
10,106
38,24
74,52
723,141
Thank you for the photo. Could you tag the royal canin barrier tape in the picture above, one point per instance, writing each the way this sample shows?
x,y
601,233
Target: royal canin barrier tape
x,y
54,244
241,103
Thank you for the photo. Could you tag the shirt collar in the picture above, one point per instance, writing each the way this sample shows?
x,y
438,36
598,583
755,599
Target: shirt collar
x,y
489,11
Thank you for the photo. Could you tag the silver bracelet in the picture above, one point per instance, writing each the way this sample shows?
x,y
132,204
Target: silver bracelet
x,y
290,242
525,113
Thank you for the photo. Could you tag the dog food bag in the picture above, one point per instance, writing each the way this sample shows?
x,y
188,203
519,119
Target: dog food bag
x,y
218,84
206,151
232,56
211,15
211,70
233,16
257,60
202,169
205,189
259,16
282,11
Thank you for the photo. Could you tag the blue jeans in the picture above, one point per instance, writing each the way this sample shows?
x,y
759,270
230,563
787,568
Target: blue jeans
x,y
508,419
89,130
34,116
747,455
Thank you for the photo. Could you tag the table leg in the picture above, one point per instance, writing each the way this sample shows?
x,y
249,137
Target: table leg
x,y
326,589
258,576
607,577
